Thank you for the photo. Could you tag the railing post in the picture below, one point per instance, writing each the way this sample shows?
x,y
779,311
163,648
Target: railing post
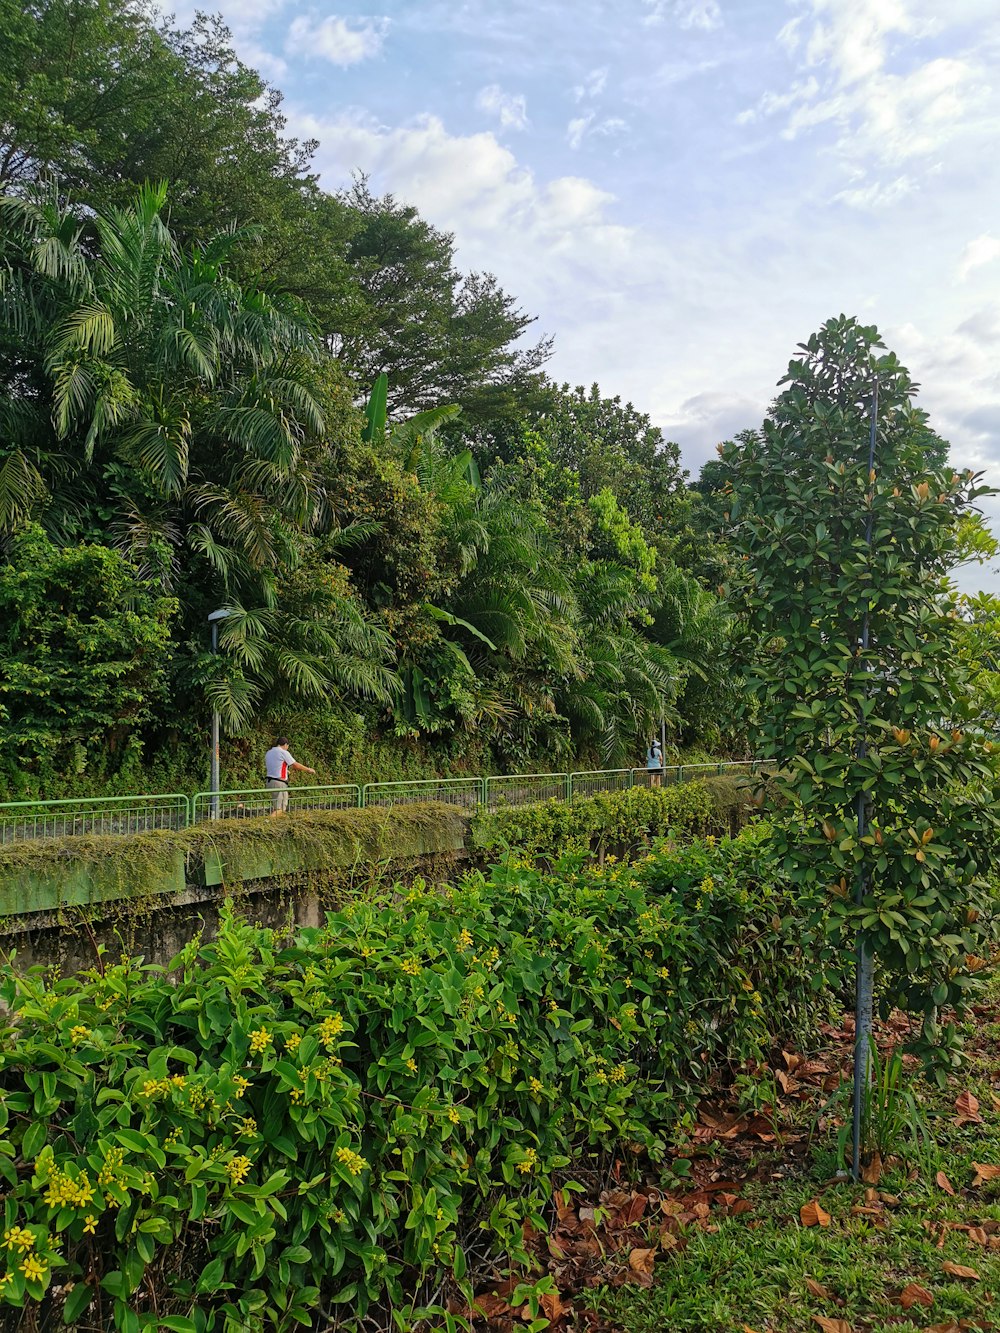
x,y
568,787
362,796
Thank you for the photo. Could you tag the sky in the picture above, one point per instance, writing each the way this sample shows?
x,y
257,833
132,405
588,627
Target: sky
x,y
683,190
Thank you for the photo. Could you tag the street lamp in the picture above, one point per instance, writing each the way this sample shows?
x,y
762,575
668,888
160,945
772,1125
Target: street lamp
x,y
213,620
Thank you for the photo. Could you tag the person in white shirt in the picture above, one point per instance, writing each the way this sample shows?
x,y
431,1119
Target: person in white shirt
x,y
278,763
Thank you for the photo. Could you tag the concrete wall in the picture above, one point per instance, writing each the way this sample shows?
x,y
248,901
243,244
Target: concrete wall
x,y
62,901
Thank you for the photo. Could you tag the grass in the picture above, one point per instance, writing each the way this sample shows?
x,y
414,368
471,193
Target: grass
x,y
763,1271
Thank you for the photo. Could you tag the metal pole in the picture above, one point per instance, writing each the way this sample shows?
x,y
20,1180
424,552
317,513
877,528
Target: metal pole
x,y
663,749
864,967
214,777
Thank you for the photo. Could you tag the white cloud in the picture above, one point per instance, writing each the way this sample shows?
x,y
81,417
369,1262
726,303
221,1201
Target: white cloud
x,y
592,86
983,250
467,180
704,14
511,110
891,110
341,41
583,127
576,130
877,195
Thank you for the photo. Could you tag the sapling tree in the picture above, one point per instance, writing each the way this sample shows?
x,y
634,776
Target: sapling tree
x,y
861,695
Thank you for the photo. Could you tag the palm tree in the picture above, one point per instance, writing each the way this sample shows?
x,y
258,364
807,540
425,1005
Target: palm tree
x,y
145,393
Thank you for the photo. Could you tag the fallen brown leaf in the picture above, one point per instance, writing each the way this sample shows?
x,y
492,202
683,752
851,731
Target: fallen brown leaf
x,y
489,1306
831,1325
984,1171
960,1271
914,1294
944,1183
872,1173
818,1290
552,1305
967,1107
978,1236
811,1214
641,1264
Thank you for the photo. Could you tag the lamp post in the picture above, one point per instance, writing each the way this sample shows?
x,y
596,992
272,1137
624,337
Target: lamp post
x,y
213,621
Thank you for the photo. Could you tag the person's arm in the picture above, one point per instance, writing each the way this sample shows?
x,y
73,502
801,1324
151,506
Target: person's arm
x,y
301,767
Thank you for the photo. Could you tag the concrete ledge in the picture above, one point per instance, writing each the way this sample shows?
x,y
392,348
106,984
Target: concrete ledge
x,y
109,884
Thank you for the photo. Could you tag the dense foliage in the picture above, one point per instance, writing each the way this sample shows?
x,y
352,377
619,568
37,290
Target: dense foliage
x,y
268,1128
622,822
181,372
863,697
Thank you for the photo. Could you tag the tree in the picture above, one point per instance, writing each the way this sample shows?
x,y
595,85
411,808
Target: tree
x,y
439,336
149,394
84,649
862,701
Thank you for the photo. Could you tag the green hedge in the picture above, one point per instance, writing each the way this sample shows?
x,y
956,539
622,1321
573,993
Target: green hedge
x,y
270,1127
621,821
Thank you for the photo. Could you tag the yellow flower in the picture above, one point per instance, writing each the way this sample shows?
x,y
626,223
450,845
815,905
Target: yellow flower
x,y
89,1224
33,1268
19,1238
411,1065
618,1074
628,983
260,1040
536,1085
354,1162
79,1033
293,1042
239,1169
664,972
410,966
241,1084
330,1029
5,1281
295,1095
453,1115
178,1081
248,1127
529,1162
464,939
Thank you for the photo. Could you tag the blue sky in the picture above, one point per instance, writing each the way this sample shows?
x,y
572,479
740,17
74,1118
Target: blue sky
x,y
683,190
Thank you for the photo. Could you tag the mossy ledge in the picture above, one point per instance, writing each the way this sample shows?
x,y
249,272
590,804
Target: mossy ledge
x,y
53,873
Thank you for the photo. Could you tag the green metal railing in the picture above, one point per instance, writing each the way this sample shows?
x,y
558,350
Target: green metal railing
x,y
253,802
526,789
468,793
22,821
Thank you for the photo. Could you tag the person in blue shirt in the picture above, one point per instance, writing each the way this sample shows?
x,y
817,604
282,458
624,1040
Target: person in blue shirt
x,y
654,763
